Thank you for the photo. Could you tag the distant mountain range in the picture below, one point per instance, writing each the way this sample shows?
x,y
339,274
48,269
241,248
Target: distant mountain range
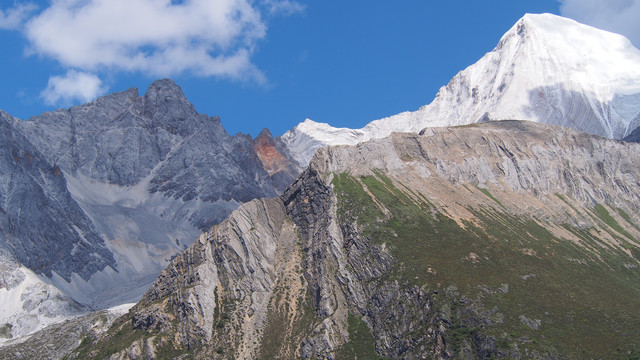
x,y
98,200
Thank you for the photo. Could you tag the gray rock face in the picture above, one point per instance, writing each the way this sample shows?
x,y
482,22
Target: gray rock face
x,y
103,140
208,157
157,139
41,225
123,138
107,193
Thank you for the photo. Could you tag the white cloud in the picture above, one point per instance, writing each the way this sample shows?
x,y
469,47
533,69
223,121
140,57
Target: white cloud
x,y
285,7
13,18
619,16
73,86
158,38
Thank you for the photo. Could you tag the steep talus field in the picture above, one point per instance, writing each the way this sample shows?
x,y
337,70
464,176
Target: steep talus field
x,y
508,240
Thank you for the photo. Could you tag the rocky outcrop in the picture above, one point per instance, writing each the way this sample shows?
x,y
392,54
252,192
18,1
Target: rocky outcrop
x,y
219,295
276,160
344,270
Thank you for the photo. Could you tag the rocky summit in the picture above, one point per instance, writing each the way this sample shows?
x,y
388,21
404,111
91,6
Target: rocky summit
x,y
509,240
97,199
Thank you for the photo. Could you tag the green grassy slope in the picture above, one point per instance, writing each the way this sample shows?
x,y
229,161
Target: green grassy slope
x,y
507,277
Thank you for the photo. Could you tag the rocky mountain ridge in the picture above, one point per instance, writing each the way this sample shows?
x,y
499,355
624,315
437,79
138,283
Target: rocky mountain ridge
x,y
98,198
445,244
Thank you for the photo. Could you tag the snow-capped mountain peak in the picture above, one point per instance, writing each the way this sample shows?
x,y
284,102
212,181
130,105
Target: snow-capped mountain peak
x,y
586,58
546,69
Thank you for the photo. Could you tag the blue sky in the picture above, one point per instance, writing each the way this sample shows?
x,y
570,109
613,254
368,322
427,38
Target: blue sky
x,y
263,63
